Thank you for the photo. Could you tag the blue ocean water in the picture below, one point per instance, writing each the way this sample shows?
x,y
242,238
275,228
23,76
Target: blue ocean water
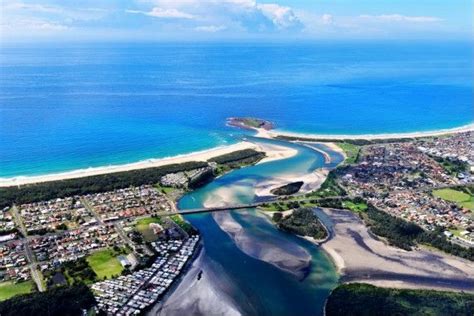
x,y
86,105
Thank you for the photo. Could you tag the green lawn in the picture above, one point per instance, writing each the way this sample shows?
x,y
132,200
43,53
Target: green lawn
x,y
355,207
351,151
105,263
165,190
459,197
143,227
9,289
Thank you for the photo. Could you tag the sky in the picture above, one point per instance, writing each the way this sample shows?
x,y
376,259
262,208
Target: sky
x,y
155,20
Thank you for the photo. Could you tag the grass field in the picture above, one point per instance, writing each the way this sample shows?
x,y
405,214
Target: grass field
x,y
105,263
461,198
351,151
143,227
355,207
9,289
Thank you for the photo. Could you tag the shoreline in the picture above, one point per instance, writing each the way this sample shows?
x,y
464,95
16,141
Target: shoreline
x,y
360,263
203,155
207,154
439,132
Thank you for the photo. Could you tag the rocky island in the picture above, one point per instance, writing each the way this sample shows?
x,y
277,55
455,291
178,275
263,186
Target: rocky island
x,y
250,123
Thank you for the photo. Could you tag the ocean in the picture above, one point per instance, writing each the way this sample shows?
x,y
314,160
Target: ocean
x,y
74,106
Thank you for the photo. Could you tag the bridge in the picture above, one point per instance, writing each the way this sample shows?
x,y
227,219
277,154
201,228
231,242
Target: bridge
x,y
212,209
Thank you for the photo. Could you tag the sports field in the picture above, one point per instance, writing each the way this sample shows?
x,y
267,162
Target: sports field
x,y
105,263
461,198
9,289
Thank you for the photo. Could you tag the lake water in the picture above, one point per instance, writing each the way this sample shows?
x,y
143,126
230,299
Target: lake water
x,y
77,106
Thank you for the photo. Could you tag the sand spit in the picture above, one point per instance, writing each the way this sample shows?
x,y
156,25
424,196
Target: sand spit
x,y
461,129
207,295
359,257
275,152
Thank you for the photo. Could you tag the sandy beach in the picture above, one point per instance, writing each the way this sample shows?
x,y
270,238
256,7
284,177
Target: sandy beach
x,y
272,152
359,257
275,133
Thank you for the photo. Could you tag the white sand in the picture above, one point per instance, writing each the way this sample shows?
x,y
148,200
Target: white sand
x,y
312,181
274,133
361,258
272,153
275,152
196,156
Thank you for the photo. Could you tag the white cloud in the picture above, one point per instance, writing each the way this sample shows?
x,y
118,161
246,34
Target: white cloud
x,y
327,19
164,13
210,28
400,18
169,13
246,15
282,17
32,25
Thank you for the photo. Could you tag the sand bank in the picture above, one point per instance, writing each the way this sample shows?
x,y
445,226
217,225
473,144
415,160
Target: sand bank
x,y
276,251
274,133
312,181
361,258
276,152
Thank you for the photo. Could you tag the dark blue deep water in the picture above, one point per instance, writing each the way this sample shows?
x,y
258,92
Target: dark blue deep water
x,y
77,106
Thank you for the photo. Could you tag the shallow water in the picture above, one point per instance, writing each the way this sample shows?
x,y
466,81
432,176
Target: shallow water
x,y
273,272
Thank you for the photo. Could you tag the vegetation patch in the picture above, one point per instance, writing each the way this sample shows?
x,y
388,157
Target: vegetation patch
x,y
329,187
354,206
352,152
405,235
143,227
75,272
93,184
187,227
61,301
288,189
364,299
236,160
452,166
9,289
105,263
461,198
302,222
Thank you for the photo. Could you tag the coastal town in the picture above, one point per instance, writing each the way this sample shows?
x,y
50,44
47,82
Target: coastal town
x,y
407,179
41,240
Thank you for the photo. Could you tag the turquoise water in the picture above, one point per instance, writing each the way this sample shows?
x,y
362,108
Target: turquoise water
x,y
259,287
77,106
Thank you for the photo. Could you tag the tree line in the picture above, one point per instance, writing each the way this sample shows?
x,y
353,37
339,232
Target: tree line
x,y
87,185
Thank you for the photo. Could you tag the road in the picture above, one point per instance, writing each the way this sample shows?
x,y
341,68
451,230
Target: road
x,y
33,264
